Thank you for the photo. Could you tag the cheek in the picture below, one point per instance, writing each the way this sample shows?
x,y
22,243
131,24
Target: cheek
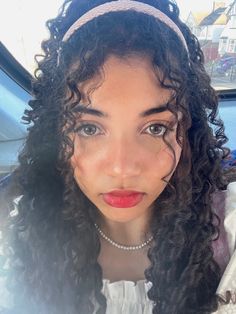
x,y
86,164
82,165
165,162
83,174
80,160
79,164
87,160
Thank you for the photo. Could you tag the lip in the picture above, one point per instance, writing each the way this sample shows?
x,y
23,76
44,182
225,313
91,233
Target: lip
x,y
124,192
123,198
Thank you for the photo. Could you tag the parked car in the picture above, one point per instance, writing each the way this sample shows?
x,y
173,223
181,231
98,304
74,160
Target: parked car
x,y
224,65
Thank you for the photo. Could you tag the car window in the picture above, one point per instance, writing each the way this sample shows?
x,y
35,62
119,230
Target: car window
x,y
13,102
25,24
227,112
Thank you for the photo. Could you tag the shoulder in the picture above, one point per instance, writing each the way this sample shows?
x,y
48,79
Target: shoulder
x,y
224,205
230,216
226,209
228,282
6,298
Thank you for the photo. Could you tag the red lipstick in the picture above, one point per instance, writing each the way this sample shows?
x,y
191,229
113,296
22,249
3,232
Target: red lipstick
x,y
123,198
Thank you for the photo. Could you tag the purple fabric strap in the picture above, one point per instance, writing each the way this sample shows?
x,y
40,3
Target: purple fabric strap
x,y
220,246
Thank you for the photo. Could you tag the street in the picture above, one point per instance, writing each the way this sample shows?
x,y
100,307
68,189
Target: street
x,y
223,83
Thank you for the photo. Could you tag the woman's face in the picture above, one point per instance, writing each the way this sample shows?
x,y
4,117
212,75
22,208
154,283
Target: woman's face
x,y
120,145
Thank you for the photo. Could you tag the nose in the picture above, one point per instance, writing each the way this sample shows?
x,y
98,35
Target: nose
x,y
124,159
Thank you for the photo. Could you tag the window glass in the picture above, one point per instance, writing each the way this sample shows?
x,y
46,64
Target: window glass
x,y
22,27
212,21
13,102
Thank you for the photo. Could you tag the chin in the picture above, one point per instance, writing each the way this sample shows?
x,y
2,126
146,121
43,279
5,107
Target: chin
x,y
122,215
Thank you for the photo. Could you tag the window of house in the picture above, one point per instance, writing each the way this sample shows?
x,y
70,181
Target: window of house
x,y
232,45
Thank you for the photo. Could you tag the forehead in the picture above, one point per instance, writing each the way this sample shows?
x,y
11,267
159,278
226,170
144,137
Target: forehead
x,y
129,82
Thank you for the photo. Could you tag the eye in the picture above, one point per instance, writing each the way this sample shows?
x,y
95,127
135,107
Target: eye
x,y
87,129
157,129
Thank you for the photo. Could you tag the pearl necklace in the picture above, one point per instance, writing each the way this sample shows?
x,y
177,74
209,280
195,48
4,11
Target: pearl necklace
x,y
123,247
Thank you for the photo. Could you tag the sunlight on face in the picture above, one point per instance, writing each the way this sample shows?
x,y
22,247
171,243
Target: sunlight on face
x,y
122,147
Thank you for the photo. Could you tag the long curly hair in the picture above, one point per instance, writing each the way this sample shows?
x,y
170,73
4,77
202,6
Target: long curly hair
x,y
51,243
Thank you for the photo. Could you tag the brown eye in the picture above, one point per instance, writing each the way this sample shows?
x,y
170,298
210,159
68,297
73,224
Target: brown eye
x,y
156,129
87,130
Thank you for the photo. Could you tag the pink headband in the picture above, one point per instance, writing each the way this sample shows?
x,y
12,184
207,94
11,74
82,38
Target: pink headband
x,y
124,5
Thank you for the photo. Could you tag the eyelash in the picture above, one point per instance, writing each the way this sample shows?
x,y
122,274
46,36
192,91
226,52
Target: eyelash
x,y
83,125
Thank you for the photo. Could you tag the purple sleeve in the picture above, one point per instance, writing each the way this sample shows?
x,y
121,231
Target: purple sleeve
x,y
220,246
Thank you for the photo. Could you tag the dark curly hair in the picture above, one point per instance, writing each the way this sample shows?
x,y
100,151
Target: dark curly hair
x,y
52,244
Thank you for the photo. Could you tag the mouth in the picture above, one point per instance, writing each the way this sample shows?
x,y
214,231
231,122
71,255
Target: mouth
x,y
123,198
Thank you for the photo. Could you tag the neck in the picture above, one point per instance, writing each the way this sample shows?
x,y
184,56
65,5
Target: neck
x,y
129,233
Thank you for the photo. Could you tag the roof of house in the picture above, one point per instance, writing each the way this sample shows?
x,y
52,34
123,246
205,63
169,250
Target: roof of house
x,y
231,6
199,16
215,16
222,20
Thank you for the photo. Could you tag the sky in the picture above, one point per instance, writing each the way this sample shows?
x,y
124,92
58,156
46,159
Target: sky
x,y
22,24
195,5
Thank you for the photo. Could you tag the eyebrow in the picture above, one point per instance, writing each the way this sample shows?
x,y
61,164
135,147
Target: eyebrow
x,y
95,112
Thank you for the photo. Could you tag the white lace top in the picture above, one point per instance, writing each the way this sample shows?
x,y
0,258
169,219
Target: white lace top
x,y
126,297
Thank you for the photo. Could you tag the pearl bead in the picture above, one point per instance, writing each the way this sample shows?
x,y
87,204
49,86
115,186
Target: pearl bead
x,y
123,247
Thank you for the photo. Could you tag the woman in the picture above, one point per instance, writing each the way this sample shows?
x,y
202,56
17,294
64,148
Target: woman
x,y
115,196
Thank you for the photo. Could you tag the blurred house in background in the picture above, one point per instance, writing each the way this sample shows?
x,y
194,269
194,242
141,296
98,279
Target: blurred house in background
x,y
216,30
227,42
193,21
